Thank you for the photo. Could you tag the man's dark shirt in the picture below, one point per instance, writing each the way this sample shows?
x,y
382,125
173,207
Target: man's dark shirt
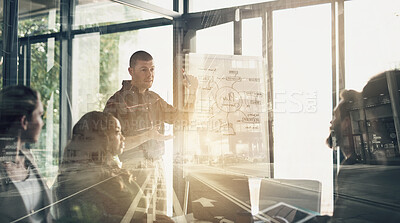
x,y
140,112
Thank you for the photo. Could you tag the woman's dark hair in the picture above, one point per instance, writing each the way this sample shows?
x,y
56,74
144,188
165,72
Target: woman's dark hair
x,y
94,121
90,138
15,102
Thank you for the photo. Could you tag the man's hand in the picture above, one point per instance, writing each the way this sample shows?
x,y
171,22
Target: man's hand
x,y
190,82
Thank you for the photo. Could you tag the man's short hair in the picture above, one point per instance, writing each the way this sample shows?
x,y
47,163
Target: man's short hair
x,y
139,55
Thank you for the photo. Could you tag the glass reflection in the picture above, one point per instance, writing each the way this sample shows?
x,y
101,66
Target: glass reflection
x,y
365,133
99,13
214,152
36,17
45,78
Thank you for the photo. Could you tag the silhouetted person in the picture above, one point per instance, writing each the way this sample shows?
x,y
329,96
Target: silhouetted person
x,y
341,128
364,128
24,196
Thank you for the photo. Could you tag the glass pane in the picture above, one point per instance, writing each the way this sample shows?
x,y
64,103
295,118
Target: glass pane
x,y
302,99
225,144
371,36
45,77
38,17
215,39
203,5
86,75
252,37
366,120
99,13
224,152
1,39
161,3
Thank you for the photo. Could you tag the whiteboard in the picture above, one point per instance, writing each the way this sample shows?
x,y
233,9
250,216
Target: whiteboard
x,y
231,106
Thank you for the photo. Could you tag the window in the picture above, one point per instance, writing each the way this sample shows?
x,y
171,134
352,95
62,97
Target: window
x,y
45,78
38,18
213,39
200,5
370,46
302,57
256,146
252,37
100,13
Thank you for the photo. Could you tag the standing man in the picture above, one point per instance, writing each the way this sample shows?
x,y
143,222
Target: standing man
x,y
140,110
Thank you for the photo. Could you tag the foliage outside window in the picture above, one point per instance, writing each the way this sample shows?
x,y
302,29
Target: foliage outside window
x,y
41,24
45,78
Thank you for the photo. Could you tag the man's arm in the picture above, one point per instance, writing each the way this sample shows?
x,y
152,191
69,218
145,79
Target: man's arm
x,y
136,140
183,115
191,84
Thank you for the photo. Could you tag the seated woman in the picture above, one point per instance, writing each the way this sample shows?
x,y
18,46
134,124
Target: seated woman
x,y
24,196
92,186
